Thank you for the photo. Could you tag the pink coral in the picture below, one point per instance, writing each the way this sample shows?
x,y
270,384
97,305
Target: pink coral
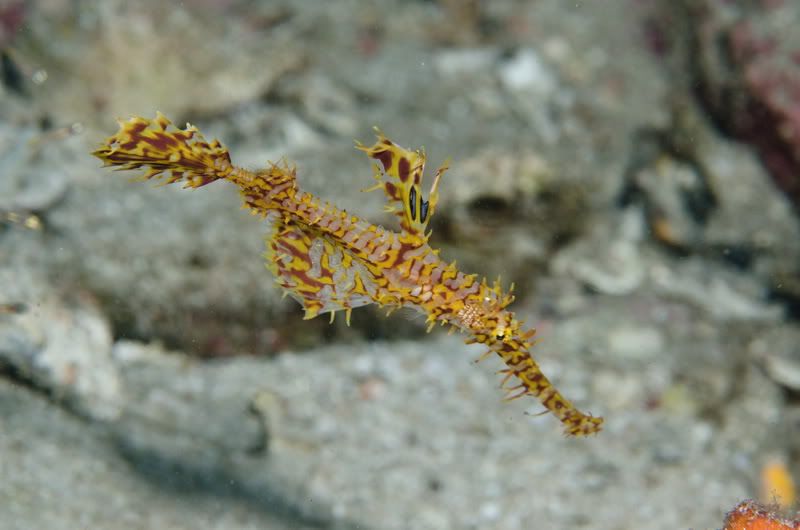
x,y
751,85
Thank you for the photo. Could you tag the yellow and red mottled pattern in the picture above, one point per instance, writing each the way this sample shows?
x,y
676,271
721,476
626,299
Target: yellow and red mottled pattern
x,y
330,260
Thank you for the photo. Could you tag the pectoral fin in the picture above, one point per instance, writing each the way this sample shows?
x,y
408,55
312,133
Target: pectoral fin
x,y
323,276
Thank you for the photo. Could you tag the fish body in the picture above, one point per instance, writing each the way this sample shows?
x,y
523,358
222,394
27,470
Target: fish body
x,y
330,260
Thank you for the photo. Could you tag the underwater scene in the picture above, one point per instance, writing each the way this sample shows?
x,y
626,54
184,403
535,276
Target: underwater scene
x,y
400,264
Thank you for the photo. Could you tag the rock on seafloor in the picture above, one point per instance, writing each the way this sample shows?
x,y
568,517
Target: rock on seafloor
x,y
331,437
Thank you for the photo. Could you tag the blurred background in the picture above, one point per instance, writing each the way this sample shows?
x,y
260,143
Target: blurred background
x,y
633,166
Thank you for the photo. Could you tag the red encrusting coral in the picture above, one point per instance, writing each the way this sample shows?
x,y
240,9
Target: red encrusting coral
x,y
749,515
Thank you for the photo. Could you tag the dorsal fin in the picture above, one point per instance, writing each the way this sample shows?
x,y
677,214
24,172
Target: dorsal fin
x,y
400,173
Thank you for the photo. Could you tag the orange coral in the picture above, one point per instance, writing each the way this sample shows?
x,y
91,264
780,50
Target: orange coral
x,y
749,515
777,485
